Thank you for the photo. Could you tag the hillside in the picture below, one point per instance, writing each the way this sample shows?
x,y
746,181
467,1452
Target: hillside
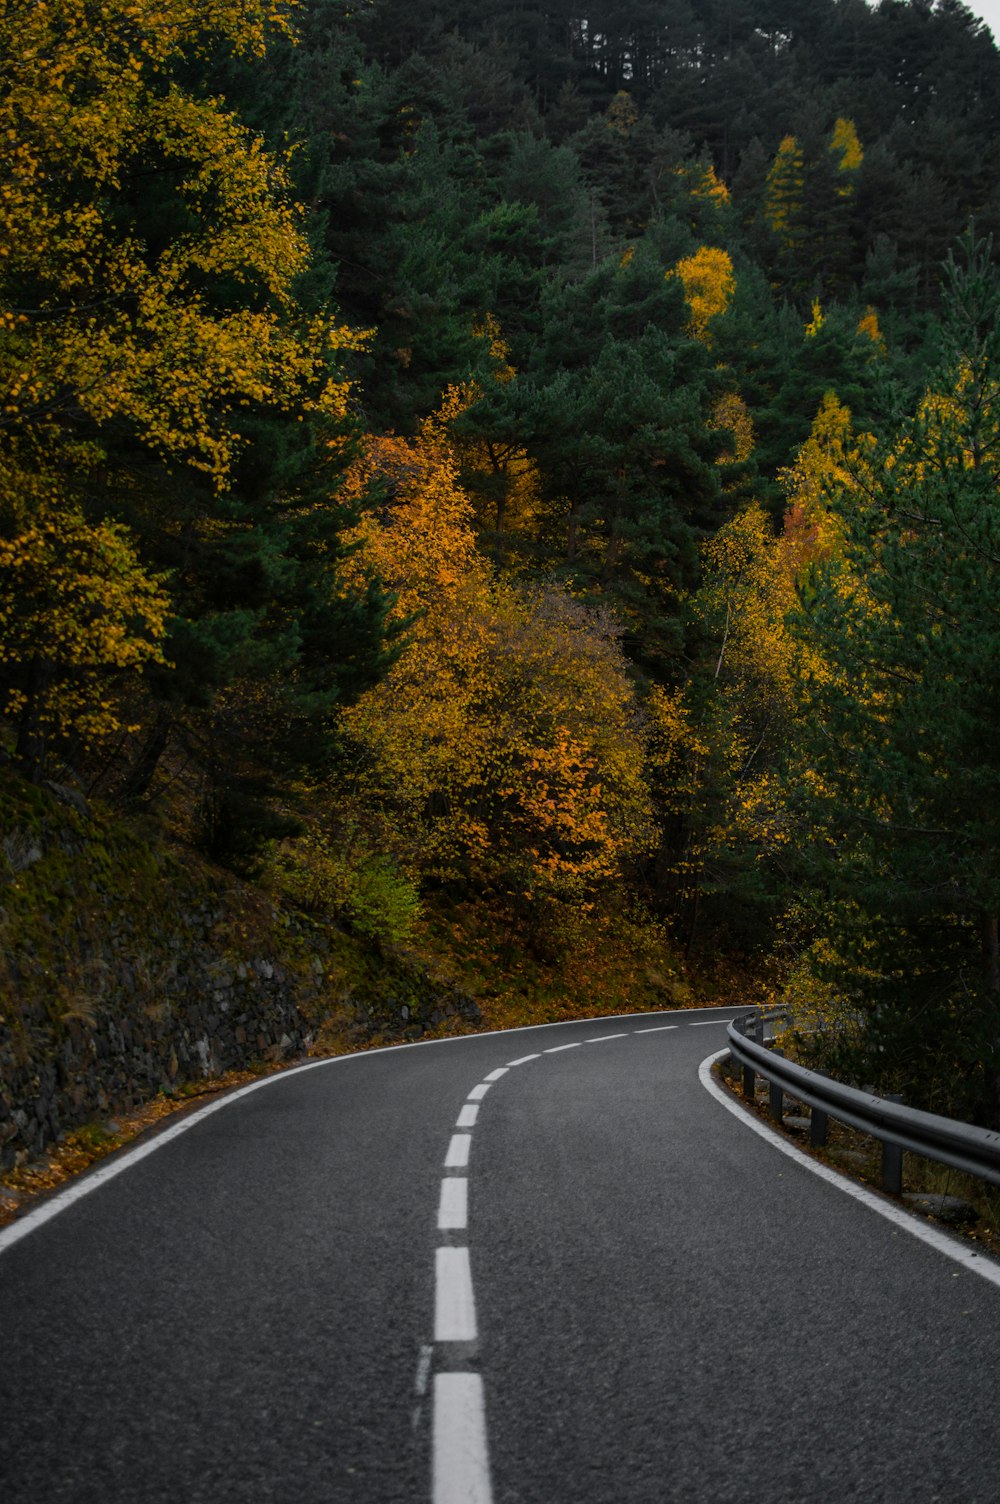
x,y
500,500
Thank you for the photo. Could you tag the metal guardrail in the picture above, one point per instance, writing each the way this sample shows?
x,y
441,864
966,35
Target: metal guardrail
x,y
976,1151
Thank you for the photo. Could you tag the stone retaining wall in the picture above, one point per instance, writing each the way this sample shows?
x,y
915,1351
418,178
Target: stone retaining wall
x,y
207,1017
123,974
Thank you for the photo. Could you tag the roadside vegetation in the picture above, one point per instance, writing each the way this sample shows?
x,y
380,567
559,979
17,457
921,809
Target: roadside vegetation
x,y
515,496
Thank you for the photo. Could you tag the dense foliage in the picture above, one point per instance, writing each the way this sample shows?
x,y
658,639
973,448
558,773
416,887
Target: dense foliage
x,y
492,452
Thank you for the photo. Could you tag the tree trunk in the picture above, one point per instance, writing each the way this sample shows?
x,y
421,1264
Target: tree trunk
x,y
140,775
572,533
614,546
30,749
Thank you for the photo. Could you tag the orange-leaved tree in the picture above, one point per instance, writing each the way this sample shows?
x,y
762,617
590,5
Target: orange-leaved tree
x,y
502,749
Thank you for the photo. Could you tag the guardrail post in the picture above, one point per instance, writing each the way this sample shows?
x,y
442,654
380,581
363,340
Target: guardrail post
x,y
776,1097
975,1151
892,1163
818,1121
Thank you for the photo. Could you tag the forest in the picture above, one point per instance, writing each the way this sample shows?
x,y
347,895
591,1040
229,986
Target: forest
x,y
521,482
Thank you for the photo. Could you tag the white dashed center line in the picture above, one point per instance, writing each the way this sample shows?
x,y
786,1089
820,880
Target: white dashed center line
x,y
458,1151
461,1465
453,1211
461,1470
454,1304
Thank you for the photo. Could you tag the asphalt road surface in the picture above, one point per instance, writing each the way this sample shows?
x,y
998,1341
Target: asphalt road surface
x,y
540,1267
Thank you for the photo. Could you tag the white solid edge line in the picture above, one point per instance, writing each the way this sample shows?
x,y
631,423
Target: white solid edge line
x,y
557,1047
467,1117
602,1037
658,1030
971,1260
461,1469
453,1208
458,1151
501,1070
454,1302
126,1158
703,1023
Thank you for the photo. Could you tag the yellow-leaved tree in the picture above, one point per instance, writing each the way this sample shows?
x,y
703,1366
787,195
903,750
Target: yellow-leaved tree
x,y
709,283
502,749
149,248
77,607
717,743
784,190
100,315
845,147
829,459
713,743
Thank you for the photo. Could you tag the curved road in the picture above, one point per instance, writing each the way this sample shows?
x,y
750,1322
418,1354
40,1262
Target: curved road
x,y
541,1267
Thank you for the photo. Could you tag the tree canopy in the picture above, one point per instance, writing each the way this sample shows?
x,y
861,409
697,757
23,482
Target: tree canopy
x,y
461,452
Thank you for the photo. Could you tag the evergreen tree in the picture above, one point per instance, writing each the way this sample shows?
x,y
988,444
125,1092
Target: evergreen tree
x,y
897,775
615,410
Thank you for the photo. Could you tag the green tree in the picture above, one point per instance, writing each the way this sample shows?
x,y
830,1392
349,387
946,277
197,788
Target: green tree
x,y
897,770
614,410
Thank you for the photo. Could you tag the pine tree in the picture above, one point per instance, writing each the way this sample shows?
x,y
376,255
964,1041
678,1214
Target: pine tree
x,y
898,768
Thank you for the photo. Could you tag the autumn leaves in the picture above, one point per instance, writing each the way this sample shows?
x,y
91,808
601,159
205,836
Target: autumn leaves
x,y
501,748
150,251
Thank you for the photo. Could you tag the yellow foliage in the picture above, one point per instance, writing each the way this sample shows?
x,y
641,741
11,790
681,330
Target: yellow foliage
x,y
123,330
868,327
621,116
676,747
75,604
730,412
709,284
833,464
747,590
817,321
702,183
829,459
783,190
502,742
722,757
490,331
106,327
846,147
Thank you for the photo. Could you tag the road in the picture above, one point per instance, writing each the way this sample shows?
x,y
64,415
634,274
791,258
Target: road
x,y
540,1267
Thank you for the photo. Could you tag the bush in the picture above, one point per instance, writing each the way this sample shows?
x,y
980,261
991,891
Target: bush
x,y
362,887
